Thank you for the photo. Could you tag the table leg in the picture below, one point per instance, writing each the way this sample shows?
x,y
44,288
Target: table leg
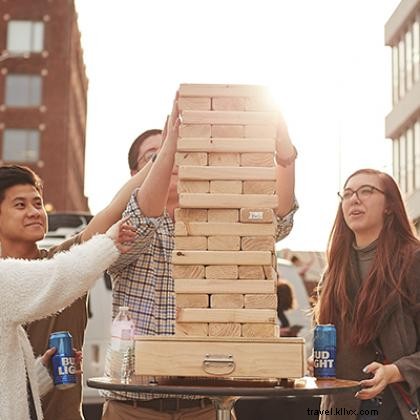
x,y
224,406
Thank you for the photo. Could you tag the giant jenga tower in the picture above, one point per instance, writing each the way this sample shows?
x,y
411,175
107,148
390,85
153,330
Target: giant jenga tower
x,y
224,258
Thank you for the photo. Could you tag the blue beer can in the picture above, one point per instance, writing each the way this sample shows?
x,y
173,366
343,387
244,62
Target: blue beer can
x,y
63,360
325,348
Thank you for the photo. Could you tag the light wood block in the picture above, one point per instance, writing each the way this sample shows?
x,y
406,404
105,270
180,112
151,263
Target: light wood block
x,y
224,330
228,315
261,130
260,330
181,228
203,104
224,187
191,158
224,243
228,117
226,145
257,243
221,90
225,286
195,130
229,173
221,272
224,159
227,201
223,215
259,187
191,329
190,215
228,104
188,271
227,131
260,103
251,271
243,258
224,229
257,159
192,301
193,187
256,215
270,272
203,356
260,301
227,301
191,242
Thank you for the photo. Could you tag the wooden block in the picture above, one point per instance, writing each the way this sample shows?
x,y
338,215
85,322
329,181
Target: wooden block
x,y
270,273
252,258
265,131
196,159
260,301
219,329
228,117
251,271
192,329
225,187
181,228
191,242
228,315
256,215
259,330
259,187
195,130
224,243
226,201
223,215
257,159
193,186
203,104
221,272
228,173
224,159
260,103
227,131
226,145
224,229
228,104
226,301
189,215
192,301
221,90
257,243
188,271
212,286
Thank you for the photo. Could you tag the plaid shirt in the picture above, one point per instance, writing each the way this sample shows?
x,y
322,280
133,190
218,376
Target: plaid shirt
x,y
142,279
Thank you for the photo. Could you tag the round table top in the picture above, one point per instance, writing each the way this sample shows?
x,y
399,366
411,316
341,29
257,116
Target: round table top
x,y
307,386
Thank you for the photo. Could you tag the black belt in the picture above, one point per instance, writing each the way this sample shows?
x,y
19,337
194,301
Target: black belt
x,y
168,404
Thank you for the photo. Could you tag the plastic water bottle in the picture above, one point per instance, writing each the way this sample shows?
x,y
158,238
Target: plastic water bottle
x,y
122,342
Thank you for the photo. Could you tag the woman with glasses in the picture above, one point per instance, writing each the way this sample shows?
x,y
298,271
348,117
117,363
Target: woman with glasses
x,y
371,293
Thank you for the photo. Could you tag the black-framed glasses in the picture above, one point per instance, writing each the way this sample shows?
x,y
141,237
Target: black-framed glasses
x,y
362,193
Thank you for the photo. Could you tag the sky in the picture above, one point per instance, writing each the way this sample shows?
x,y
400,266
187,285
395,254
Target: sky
x,y
325,62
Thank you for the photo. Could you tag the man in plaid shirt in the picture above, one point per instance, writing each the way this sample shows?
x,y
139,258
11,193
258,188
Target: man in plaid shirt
x,y
142,278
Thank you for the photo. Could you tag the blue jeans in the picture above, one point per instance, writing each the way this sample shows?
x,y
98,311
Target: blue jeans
x,y
369,408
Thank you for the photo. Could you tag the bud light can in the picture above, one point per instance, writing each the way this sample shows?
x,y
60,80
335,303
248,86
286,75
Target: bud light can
x,y
325,347
63,361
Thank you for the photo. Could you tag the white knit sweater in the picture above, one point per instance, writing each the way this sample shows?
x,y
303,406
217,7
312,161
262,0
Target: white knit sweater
x,y
35,289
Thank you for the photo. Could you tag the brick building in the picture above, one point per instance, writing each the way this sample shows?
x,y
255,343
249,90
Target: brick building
x,y
43,88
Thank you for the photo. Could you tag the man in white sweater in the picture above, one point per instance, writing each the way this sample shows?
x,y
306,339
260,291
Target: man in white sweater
x,y
23,222
32,290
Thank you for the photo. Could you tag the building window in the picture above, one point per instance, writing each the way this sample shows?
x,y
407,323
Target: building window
x,y
396,159
21,145
410,161
409,60
416,135
395,76
23,90
25,36
416,49
403,164
401,68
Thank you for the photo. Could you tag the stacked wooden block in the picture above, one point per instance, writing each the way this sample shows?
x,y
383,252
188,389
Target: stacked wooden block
x,y
224,259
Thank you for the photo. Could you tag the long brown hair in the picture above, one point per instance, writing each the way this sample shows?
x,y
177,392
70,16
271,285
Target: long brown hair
x,y
386,279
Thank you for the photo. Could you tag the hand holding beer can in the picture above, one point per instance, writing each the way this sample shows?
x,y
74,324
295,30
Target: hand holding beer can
x,y
63,361
325,350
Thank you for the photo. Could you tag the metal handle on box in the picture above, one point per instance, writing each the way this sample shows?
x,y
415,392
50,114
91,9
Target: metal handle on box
x,y
218,364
